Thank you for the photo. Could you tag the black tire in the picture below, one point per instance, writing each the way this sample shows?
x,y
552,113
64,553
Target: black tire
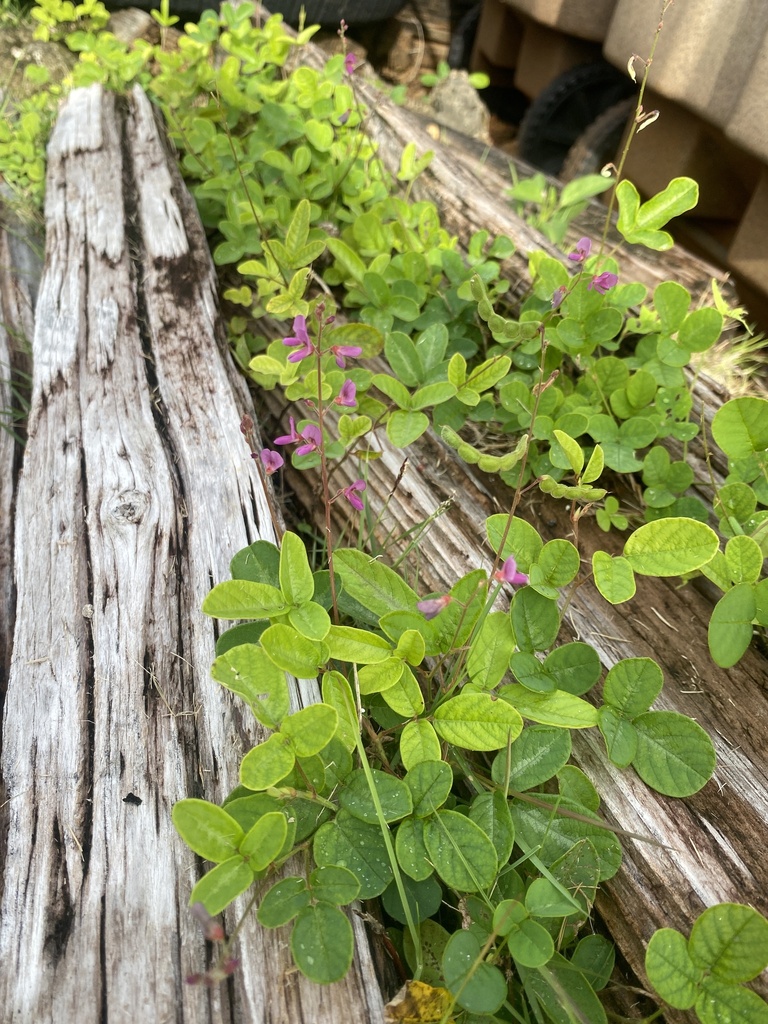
x,y
463,38
565,108
600,143
330,12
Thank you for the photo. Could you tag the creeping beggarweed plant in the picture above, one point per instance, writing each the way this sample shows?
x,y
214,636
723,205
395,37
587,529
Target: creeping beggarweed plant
x,y
434,773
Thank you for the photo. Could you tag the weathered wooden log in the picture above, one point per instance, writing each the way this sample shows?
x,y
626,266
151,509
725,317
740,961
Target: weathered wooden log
x,y
135,491
18,290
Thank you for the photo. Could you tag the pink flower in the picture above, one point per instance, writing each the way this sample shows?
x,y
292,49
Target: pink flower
x,y
350,63
558,296
508,573
347,394
212,930
339,351
350,492
433,605
583,249
312,439
291,438
272,461
301,338
602,282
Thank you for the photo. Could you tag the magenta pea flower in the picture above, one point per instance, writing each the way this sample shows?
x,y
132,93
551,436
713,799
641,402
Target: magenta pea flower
x,y
272,461
347,394
292,438
352,493
582,251
603,282
301,338
508,573
340,351
558,296
433,605
312,439
350,63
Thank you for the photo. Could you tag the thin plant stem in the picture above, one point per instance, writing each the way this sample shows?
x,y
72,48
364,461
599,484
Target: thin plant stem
x,y
666,4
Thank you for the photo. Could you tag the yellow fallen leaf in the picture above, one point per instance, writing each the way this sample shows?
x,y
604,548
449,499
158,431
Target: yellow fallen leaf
x,y
418,1003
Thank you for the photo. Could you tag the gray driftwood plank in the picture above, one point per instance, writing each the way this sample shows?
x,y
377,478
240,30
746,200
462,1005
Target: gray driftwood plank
x,y
135,491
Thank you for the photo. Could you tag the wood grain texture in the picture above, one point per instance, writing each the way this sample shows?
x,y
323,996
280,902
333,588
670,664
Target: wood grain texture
x,y
136,490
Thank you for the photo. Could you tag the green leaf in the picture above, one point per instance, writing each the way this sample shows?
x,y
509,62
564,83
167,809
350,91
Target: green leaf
x,y
672,302
535,620
411,852
293,652
730,627
259,562
283,902
430,783
221,886
700,329
680,195
536,756
268,763
207,829
265,840
298,229
424,899
311,620
353,844
575,667
310,729
405,697
337,692
558,563
491,812
674,754
403,428
614,577
418,742
243,599
563,994
351,264
553,835
334,884
477,986
740,427
247,671
632,685
556,708
394,796
489,655
322,943
729,1004
462,854
296,580
380,677
620,736
671,547
530,944
346,643
573,451
594,957
522,540
744,559
545,899
730,941
477,721
374,585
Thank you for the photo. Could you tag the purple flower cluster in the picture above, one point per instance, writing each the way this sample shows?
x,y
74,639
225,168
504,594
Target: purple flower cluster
x,y
599,283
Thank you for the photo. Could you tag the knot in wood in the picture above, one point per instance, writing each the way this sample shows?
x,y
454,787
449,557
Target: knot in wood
x,y
129,507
